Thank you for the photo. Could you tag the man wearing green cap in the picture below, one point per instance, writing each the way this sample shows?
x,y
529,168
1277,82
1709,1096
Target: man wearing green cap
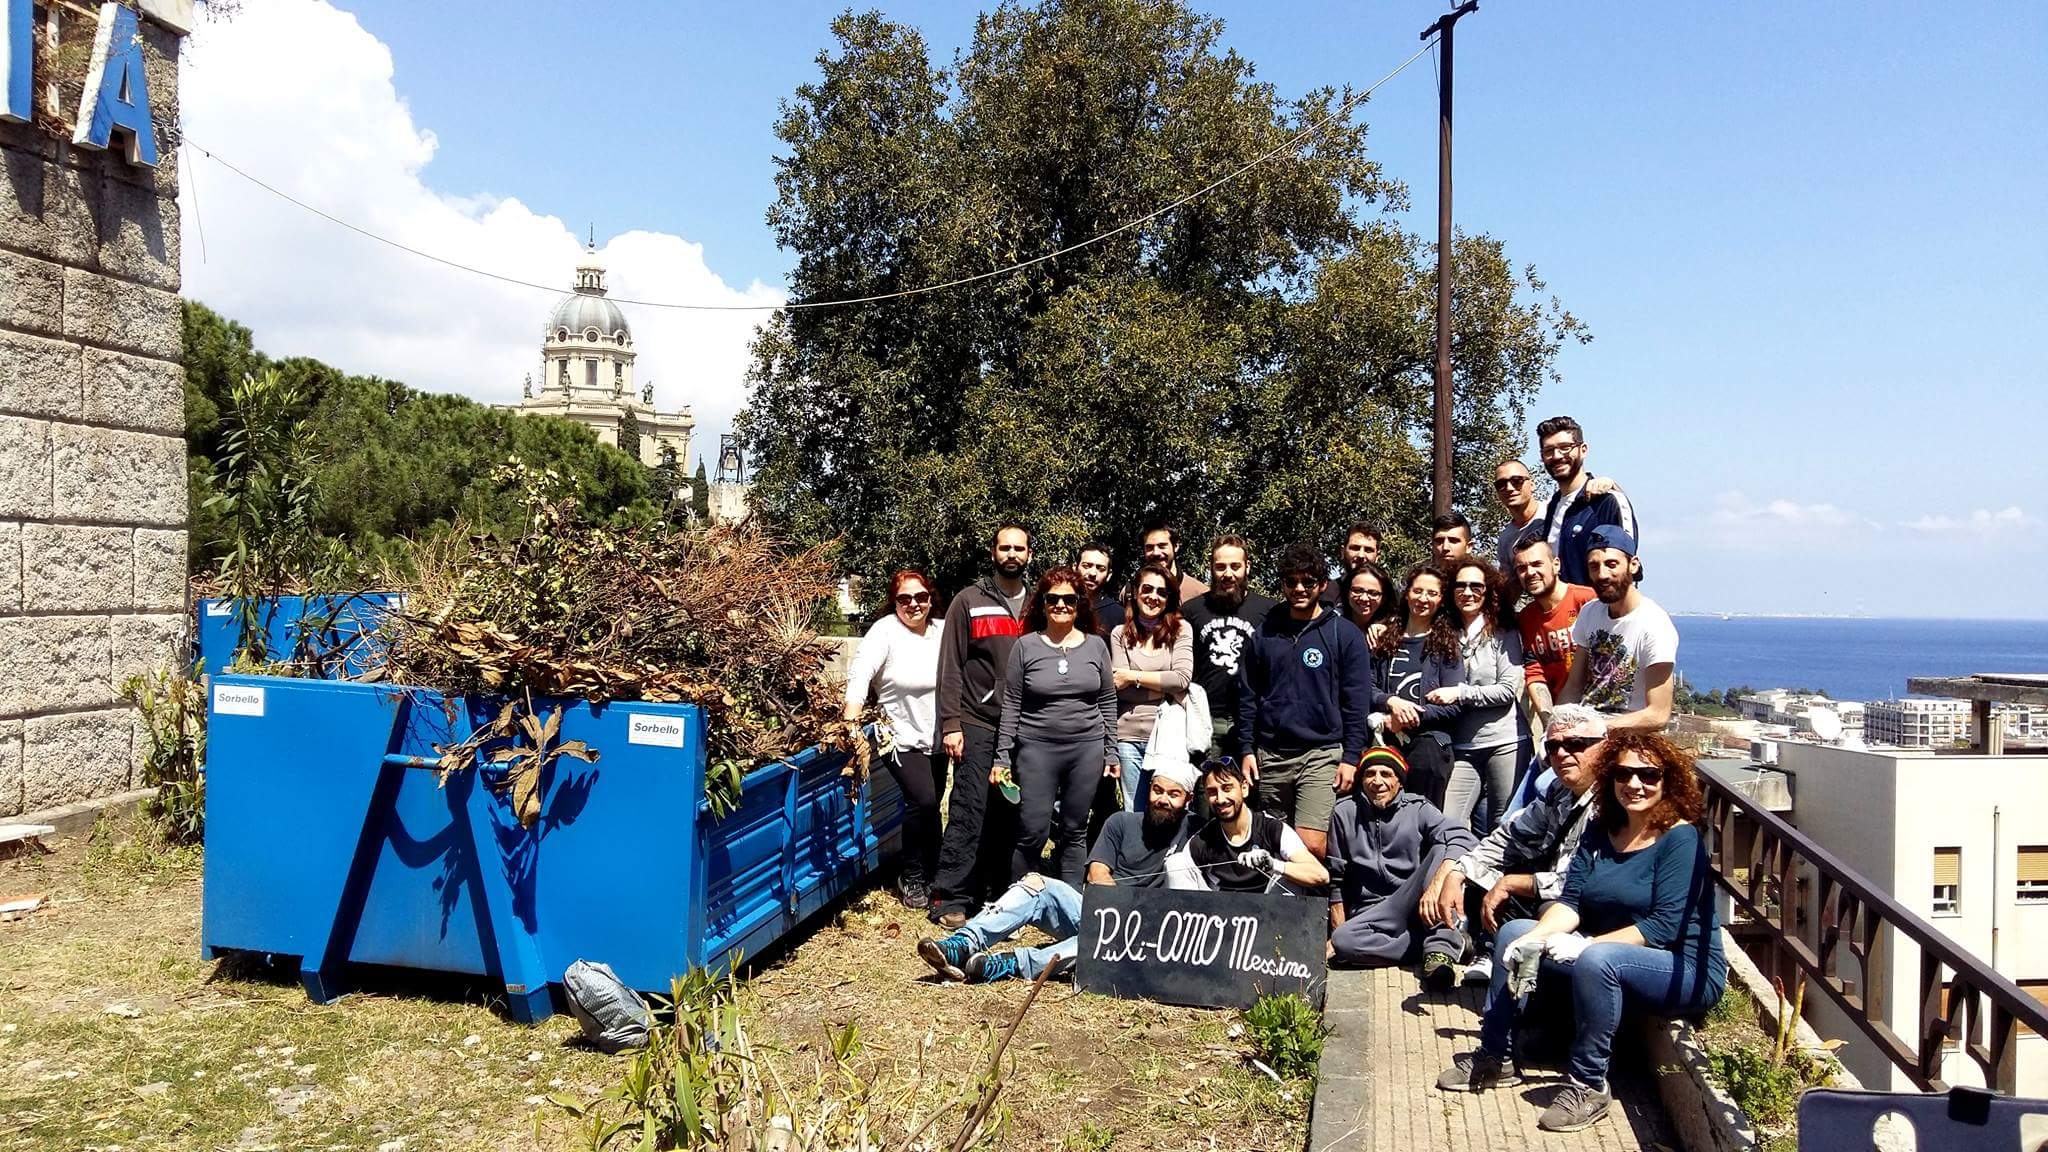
x,y
1385,848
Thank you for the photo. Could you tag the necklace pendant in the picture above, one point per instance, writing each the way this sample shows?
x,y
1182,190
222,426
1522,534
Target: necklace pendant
x,y
1063,665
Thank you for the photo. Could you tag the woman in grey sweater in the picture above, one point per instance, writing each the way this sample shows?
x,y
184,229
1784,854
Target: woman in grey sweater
x,y
1057,736
1487,736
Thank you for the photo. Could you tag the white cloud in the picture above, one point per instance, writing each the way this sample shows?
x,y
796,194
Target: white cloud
x,y
299,95
1982,524
1739,523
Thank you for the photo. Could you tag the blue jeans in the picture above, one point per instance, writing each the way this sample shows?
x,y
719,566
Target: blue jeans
x,y
1605,978
1054,910
1129,756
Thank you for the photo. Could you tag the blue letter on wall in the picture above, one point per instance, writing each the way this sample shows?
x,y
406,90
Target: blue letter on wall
x,y
17,61
117,89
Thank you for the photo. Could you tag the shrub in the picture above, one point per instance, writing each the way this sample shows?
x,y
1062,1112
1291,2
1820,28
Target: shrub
x,y
1287,1033
172,704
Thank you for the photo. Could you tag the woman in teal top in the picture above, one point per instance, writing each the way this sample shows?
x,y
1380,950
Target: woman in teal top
x,y
1635,927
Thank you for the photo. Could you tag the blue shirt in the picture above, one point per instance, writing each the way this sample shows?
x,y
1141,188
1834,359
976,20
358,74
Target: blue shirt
x,y
1665,890
1568,525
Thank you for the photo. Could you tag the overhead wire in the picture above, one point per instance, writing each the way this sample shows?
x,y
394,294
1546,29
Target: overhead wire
x,y
1291,143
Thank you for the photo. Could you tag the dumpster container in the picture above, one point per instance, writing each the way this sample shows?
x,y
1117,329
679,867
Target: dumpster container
x,y
343,630
329,839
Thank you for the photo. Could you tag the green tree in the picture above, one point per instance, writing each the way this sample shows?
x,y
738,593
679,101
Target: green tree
x,y
700,494
1258,360
386,462
629,434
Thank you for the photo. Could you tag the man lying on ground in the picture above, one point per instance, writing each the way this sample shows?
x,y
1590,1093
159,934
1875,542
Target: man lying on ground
x,y
1386,846
1132,850
1240,850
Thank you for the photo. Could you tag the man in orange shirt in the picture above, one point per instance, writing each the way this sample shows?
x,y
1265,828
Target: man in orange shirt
x,y
1546,626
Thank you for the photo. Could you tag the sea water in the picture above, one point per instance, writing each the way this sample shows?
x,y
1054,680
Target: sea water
x,y
1851,658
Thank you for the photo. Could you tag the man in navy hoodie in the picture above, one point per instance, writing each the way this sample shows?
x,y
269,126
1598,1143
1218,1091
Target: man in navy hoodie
x,y
1304,694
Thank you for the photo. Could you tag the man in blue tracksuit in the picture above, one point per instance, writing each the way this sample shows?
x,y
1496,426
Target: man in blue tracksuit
x,y
1305,691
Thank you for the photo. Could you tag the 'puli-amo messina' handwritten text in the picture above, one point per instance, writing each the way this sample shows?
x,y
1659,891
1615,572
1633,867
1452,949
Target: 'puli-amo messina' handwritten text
x,y
1193,938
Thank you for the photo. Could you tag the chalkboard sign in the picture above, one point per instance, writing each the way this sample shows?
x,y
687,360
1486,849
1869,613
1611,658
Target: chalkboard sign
x,y
1207,949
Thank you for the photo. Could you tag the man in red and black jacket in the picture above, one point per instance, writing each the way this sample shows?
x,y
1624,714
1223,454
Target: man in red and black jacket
x,y
982,625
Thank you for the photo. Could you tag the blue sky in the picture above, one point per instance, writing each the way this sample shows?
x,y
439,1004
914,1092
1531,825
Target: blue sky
x,y
1808,239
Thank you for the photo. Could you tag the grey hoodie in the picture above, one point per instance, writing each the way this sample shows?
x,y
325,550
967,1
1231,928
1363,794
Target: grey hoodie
x,y
1374,850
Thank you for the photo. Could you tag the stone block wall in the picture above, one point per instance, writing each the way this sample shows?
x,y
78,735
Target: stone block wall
x,y
92,448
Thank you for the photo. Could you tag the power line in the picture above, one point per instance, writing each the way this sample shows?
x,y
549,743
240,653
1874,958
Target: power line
x,y
1291,143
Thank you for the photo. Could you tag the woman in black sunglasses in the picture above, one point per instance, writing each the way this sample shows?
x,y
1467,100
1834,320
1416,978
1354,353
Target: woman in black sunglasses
x,y
1057,737
898,661
1634,928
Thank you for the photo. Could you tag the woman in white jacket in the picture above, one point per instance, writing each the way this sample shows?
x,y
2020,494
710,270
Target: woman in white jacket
x,y
1487,736
898,661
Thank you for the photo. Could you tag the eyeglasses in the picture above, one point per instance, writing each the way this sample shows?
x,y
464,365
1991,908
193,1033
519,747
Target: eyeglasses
x,y
906,599
1576,745
1061,599
1158,590
1556,450
1650,775
1507,482
1471,586
1299,582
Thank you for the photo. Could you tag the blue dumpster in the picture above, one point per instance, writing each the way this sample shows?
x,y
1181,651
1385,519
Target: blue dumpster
x,y
344,631
329,839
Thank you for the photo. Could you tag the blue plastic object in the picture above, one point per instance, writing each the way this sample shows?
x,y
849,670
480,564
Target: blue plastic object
x,y
341,633
328,838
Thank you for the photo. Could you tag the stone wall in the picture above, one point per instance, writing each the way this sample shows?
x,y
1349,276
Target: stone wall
x,y
92,449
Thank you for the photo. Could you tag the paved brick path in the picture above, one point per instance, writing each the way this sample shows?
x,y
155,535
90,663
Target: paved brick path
x,y
1378,1087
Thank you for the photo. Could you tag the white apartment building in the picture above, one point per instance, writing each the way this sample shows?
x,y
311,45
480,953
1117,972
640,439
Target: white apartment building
x,y
1961,840
1794,711
1917,723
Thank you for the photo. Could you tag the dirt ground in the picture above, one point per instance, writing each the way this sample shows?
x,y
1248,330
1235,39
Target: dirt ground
x,y
114,1035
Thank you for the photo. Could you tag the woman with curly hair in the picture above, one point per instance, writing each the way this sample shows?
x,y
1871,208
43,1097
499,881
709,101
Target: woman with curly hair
x,y
1487,735
1416,653
1634,928
1152,660
1057,735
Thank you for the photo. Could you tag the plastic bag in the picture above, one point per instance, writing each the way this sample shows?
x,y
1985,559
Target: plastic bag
x,y
1201,731
612,1016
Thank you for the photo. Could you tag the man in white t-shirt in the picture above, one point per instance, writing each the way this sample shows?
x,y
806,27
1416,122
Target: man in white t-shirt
x,y
1625,646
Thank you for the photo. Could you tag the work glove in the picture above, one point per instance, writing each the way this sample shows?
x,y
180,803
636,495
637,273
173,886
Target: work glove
x,y
1565,947
1258,859
1523,959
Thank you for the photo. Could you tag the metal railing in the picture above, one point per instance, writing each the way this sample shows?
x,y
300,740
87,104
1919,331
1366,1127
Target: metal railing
x,y
1764,864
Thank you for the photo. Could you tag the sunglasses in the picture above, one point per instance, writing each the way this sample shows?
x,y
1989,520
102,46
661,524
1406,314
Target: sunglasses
x,y
1299,582
1650,776
1576,745
1470,586
906,599
1507,482
1158,590
1061,599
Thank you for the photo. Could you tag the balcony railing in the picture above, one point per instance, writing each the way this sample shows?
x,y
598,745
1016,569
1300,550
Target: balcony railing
x,y
1762,862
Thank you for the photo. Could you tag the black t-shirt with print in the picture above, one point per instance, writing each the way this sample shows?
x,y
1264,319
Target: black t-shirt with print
x,y
1213,853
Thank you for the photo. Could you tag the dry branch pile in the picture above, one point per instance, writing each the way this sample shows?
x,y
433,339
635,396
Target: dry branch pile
x,y
718,617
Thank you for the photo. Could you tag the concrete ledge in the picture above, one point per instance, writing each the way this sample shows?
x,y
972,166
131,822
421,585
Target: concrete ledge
x,y
1705,1118
75,821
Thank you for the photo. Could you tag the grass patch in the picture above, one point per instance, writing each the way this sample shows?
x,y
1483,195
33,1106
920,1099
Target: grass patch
x,y
1763,1078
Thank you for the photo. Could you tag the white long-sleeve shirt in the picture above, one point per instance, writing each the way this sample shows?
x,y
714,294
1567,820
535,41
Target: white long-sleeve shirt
x,y
902,668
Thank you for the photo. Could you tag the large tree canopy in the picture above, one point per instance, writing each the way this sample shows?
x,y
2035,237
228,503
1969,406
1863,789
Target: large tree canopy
x,y
394,463
1255,361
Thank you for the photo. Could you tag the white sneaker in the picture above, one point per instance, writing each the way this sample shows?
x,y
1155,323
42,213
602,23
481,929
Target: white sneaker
x,y
1479,971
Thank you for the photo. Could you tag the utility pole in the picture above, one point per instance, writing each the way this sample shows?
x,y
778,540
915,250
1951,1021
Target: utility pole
x,y
1440,485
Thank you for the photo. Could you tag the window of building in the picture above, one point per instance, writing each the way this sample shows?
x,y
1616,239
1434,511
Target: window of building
x,y
2038,989
1948,881
590,373
2032,886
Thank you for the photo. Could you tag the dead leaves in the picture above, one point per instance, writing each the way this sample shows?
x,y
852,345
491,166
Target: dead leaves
x,y
521,764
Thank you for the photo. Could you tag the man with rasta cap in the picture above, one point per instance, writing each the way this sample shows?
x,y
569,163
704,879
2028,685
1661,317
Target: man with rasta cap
x,y
1131,850
1385,848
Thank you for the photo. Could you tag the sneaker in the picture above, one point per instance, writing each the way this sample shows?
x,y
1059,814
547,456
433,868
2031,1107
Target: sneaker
x,y
948,957
1439,972
1576,1107
1476,1072
914,895
1479,971
989,967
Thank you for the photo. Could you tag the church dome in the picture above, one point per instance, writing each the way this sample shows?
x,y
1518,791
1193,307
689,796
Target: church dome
x,y
586,309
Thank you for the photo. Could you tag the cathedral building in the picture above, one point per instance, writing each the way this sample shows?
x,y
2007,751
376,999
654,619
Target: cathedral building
x,y
587,376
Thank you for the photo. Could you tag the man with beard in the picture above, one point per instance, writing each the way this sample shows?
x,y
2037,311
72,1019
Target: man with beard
x,y
1386,846
1361,545
1224,619
1132,850
982,625
1305,692
1161,543
1545,623
1238,849
1093,565
1578,506
1624,647
1521,864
